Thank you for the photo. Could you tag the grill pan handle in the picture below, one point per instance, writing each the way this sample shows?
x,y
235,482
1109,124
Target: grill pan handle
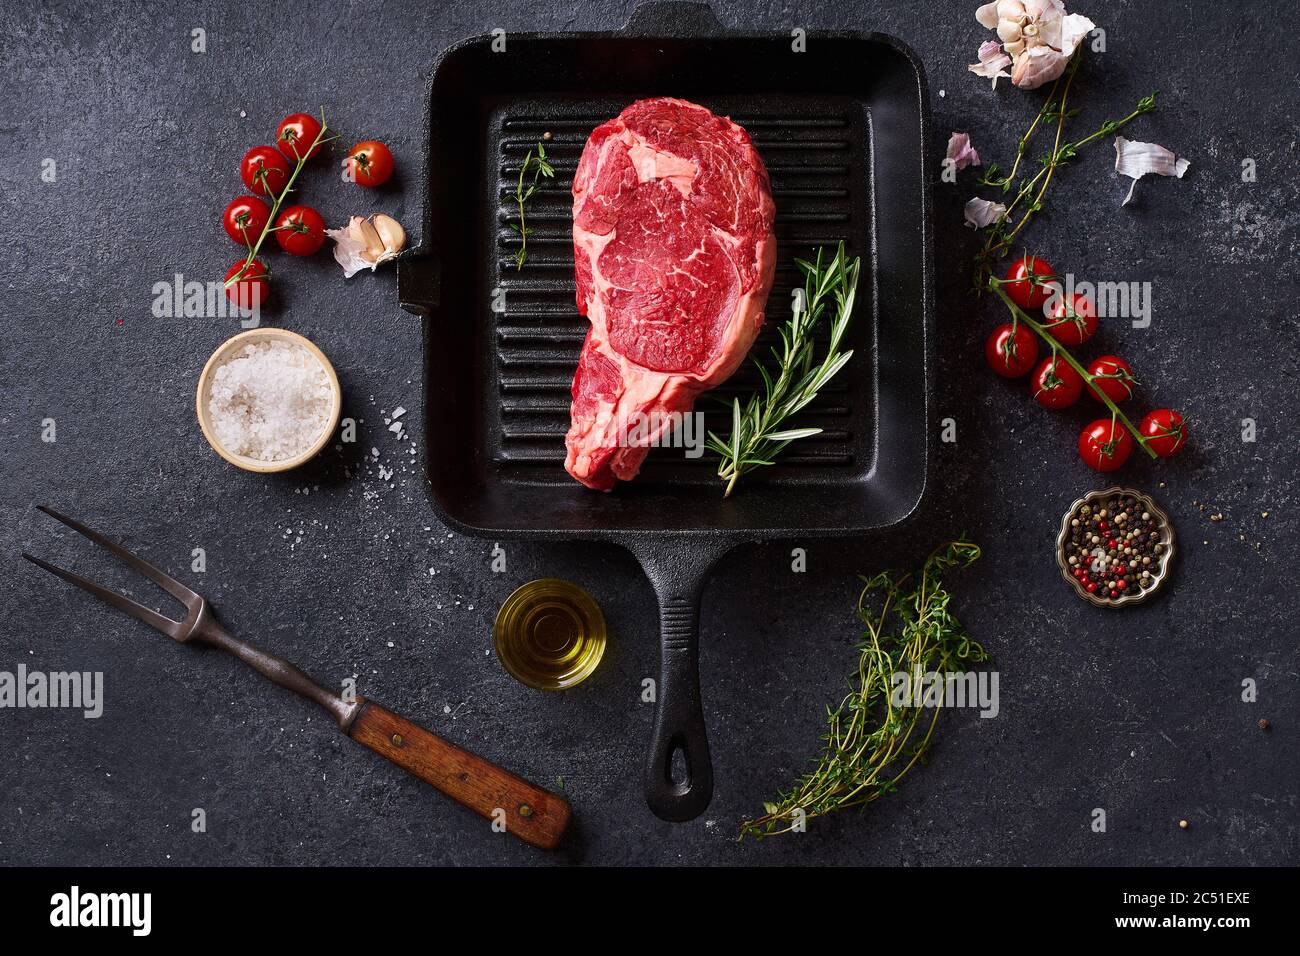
x,y
679,773
673,18
419,281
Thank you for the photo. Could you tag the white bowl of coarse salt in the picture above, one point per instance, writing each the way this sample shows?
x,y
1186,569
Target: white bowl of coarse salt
x,y
268,400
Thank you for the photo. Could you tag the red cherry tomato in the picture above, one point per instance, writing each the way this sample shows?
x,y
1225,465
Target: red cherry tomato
x,y
252,289
1115,378
369,163
300,230
1105,445
1073,322
245,218
1025,283
296,134
1011,352
1164,431
264,170
1056,384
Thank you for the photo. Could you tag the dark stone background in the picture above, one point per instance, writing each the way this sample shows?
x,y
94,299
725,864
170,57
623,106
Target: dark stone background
x,y
1137,712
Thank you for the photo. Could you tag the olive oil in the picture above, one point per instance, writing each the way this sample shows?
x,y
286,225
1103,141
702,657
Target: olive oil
x,y
549,634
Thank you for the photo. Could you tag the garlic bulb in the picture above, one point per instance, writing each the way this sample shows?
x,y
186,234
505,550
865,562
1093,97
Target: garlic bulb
x,y
1038,36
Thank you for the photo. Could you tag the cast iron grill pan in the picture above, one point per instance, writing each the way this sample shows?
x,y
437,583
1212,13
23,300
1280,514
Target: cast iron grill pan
x,y
842,130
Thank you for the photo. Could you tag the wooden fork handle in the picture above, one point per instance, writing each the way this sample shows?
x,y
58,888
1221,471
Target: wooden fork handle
x,y
527,811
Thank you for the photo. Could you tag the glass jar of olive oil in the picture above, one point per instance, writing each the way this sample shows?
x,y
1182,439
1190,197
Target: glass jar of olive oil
x,y
549,634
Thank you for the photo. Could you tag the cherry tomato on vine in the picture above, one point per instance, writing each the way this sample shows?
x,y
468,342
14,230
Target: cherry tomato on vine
x,y
300,230
369,163
1073,322
1056,384
1011,351
296,134
264,170
1115,378
252,289
1105,445
1025,281
245,218
1164,430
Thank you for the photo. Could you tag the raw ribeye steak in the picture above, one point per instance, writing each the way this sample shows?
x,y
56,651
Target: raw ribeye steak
x,y
674,254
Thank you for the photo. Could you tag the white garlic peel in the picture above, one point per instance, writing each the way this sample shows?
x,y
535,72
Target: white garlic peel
x,y
1137,159
982,212
367,243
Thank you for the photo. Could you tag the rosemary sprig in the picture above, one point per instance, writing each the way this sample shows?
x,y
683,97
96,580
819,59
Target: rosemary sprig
x,y
536,163
1031,192
871,744
757,432
278,201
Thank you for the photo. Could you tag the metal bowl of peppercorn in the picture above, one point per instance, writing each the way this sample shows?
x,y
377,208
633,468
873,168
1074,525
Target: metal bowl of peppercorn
x,y
1115,547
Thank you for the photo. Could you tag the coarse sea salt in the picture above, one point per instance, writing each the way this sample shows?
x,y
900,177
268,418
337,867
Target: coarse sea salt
x,y
269,401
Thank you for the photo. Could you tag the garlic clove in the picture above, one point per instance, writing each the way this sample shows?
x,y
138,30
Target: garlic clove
x,y
365,243
1036,66
373,246
390,231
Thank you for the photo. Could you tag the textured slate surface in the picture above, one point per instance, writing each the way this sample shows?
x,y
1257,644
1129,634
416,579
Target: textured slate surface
x,y
1137,712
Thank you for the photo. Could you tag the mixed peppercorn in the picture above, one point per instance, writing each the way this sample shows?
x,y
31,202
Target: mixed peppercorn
x,y
1115,547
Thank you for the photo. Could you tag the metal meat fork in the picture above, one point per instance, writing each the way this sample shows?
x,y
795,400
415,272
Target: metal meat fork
x,y
529,812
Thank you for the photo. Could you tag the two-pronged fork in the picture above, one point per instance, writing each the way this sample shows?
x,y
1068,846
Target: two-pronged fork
x,y
529,812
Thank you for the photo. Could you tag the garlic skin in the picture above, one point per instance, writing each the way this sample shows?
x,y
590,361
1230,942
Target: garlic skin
x,y
993,62
983,212
961,152
366,243
1137,159
1038,36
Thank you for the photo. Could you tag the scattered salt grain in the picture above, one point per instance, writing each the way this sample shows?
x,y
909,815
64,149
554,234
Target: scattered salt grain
x,y
270,401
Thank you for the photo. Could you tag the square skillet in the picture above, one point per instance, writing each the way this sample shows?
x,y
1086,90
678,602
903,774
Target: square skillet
x,y
842,129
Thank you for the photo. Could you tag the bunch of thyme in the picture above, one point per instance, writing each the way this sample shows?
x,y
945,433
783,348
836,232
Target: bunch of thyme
x,y
871,743
1030,192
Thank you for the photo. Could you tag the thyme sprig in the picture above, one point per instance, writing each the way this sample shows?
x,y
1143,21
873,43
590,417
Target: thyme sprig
x,y
536,163
872,743
1029,193
758,434
278,201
